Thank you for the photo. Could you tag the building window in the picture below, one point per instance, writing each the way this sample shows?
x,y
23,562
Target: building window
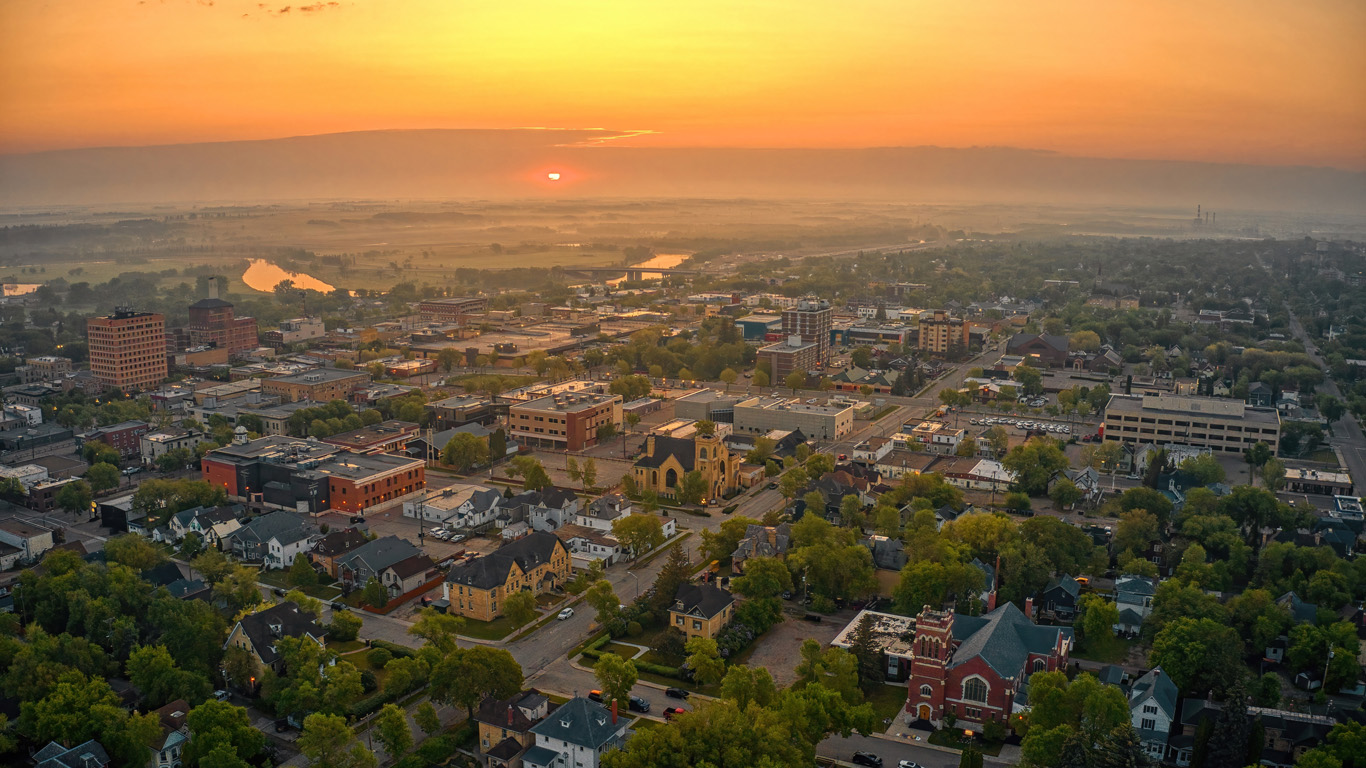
x,y
925,691
1149,709
974,689
1148,723
1039,665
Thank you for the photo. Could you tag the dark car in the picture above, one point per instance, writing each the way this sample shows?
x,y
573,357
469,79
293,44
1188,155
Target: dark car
x,y
637,704
676,693
669,712
357,518
771,486
867,758
282,725
814,618
595,695
278,592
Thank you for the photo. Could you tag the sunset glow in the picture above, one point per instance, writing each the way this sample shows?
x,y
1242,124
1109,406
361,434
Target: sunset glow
x,y
1226,80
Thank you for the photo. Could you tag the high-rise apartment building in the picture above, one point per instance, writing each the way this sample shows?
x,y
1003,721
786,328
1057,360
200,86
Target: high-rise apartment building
x,y
943,334
811,319
213,323
128,348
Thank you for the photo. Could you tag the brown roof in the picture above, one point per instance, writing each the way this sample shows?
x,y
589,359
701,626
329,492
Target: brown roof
x,y
411,566
339,542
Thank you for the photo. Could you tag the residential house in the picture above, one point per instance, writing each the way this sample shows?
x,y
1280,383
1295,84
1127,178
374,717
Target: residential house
x,y
274,539
409,575
1288,735
121,437
1134,599
477,588
888,554
1087,480
170,742
548,509
332,546
761,541
1260,395
701,610
1300,611
369,560
154,445
973,666
258,632
458,506
601,512
1152,710
89,754
589,544
1194,712
213,525
505,726
1060,597
577,734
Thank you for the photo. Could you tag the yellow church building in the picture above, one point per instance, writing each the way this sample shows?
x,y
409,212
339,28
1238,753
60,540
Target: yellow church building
x,y
668,459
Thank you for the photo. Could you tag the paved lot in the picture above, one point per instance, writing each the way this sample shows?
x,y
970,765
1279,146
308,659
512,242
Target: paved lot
x,y
779,649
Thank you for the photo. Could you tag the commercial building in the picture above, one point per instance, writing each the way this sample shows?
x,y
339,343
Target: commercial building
x,y
122,437
451,310
706,405
760,415
128,349
943,334
154,445
385,437
294,331
1300,480
567,422
759,327
793,354
1219,424
811,319
1040,350
478,588
464,409
45,368
213,323
320,385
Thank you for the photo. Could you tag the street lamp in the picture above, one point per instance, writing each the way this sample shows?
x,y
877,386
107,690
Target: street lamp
x,y
636,576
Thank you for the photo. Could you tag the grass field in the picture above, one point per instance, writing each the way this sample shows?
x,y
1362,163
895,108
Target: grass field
x,y
1107,650
488,630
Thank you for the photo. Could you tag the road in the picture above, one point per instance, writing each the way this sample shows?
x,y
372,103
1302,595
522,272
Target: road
x,y
1347,435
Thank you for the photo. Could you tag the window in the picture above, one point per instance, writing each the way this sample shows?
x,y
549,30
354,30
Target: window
x,y
1038,665
925,691
1149,709
974,689
1148,724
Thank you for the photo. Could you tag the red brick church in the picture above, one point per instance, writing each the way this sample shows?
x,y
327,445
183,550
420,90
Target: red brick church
x,y
974,666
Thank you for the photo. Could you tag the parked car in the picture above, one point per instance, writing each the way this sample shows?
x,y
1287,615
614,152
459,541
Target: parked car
x,y
279,592
637,704
282,725
457,537
844,457
814,618
221,695
564,614
676,693
595,695
132,470
771,486
866,758
669,712
358,518
909,764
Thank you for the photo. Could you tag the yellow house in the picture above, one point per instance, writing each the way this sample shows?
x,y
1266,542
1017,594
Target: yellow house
x,y
478,589
258,632
668,459
701,610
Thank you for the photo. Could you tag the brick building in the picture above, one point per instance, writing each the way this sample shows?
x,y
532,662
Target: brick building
x,y
124,437
785,357
128,349
568,422
213,323
943,334
385,437
321,385
811,319
451,310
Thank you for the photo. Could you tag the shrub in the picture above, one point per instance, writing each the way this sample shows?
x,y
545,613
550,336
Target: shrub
x,y
379,657
822,604
397,650
368,683
634,629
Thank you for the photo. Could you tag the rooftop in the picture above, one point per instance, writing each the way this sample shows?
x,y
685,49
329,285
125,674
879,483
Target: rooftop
x,y
893,634
567,402
319,376
1181,405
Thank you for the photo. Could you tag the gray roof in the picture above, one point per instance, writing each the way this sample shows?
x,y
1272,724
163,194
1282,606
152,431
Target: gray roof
x,y
1004,639
1301,611
263,628
283,525
491,570
1066,583
1111,674
1130,618
580,722
701,599
1134,585
375,556
87,755
540,757
1155,686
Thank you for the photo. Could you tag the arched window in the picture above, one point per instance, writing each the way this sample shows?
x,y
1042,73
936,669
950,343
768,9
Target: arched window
x,y
670,478
974,689
925,691
1039,665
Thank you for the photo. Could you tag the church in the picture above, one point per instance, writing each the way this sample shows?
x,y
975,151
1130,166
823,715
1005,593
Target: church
x,y
667,459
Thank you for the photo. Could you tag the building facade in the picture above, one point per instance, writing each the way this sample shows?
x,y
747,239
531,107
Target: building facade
x,y
1219,424
789,356
668,459
811,319
701,610
320,385
761,415
213,323
943,334
567,422
451,310
478,588
128,349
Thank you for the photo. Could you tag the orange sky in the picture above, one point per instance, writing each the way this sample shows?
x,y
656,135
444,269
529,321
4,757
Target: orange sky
x,y
1258,81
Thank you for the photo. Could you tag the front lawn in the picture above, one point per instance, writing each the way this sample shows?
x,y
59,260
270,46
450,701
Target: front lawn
x,y
497,629
1106,650
345,646
624,651
887,701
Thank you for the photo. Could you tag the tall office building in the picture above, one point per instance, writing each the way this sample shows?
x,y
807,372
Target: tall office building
x,y
213,323
128,348
811,319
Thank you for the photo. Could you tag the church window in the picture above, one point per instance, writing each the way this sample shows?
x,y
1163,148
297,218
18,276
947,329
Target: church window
x,y
974,689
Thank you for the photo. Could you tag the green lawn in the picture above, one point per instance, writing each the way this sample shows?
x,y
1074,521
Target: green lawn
x,y
361,661
497,629
1106,650
624,651
345,646
953,739
887,701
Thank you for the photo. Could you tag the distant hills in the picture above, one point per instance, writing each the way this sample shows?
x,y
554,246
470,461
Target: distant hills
x,y
489,164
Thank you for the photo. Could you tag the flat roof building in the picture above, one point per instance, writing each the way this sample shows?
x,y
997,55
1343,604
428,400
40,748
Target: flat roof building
x,y
759,415
811,319
567,421
793,354
1219,424
320,385
451,310
128,349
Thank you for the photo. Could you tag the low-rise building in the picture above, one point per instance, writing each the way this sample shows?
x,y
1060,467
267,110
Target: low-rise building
x,y
505,726
1134,599
458,506
385,437
155,444
567,422
587,545
1317,481
791,355
170,742
334,545
479,587
701,610
577,734
30,539
409,575
123,437
1220,424
87,754
464,409
759,415
213,525
274,539
451,310
321,385
1152,710
368,561
258,633
667,460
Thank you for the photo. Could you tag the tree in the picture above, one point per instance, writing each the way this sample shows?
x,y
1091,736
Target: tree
x,y
1096,618
1331,408
327,742
154,672
466,675
743,685
393,732
728,376
1121,748
704,659
465,451
761,378
427,718
345,626
75,496
533,474
794,381
1204,469
520,607
374,594
639,533
1258,455
1064,493
1137,529
1147,499
793,482
705,427
217,726
448,358
864,647
677,571
213,566
133,551
1034,464
1273,475
102,477
999,439
616,676
604,601
1030,379
1199,655
301,573
763,577
692,489
589,473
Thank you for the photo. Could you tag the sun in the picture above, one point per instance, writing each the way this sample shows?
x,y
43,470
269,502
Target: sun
x,y
553,176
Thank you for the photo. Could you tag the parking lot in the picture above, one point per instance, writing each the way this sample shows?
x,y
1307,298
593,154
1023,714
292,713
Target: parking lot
x,y
1025,424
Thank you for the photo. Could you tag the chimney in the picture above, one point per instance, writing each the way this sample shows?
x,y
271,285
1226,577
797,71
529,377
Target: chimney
x,y
614,711
1029,607
991,601
213,287
509,715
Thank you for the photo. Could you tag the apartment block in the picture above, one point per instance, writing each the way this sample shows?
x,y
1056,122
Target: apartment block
x,y
794,354
320,385
1219,424
213,323
566,422
128,348
943,334
811,319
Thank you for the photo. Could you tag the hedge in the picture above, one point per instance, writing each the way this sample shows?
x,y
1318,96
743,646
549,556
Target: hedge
x,y
394,648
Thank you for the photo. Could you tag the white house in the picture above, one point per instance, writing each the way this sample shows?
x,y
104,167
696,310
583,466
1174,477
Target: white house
x,y
871,450
1152,708
1134,599
577,734
459,506
212,524
154,445
603,511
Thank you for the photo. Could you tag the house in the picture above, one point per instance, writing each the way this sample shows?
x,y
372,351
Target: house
x,y
577,734
168,575
154,445
274,539
258,632
1152,710
1039,349
668,459
85,755
1134,599
31,540
1194,712
973,666
409,575
505,726
1300,611
761,541
701,610
1260,395
549,508
174,735
1087,480
1060,597
369,560
476,589
1288,735
458,506
332,546
888,554
589,544
601,512
213,525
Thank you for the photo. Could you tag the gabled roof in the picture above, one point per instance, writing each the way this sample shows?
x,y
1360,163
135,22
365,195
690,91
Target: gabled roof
x,y
1155,686
411,566
163,574
702,600
86,755
682,448
375,556
1004,639
1135,585
339,542
492,570
1066,584
511,713
1299,610
286,527
263,628
581,722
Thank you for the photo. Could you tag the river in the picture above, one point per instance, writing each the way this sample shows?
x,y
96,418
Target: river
x,y
658,261
263,276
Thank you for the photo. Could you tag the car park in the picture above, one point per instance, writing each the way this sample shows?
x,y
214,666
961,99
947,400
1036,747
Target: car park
x,y
564,614
676,693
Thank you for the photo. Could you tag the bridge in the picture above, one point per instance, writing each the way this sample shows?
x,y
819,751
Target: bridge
x,y
631,272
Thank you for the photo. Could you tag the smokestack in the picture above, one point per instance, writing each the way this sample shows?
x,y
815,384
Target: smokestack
x,y
614,711
213,287
1029,607
509,715
991,601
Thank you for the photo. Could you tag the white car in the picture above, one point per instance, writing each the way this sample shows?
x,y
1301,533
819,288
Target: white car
x,y
566,613
457,537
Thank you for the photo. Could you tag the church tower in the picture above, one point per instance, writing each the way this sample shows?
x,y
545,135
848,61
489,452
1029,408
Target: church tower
x,y
932,650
